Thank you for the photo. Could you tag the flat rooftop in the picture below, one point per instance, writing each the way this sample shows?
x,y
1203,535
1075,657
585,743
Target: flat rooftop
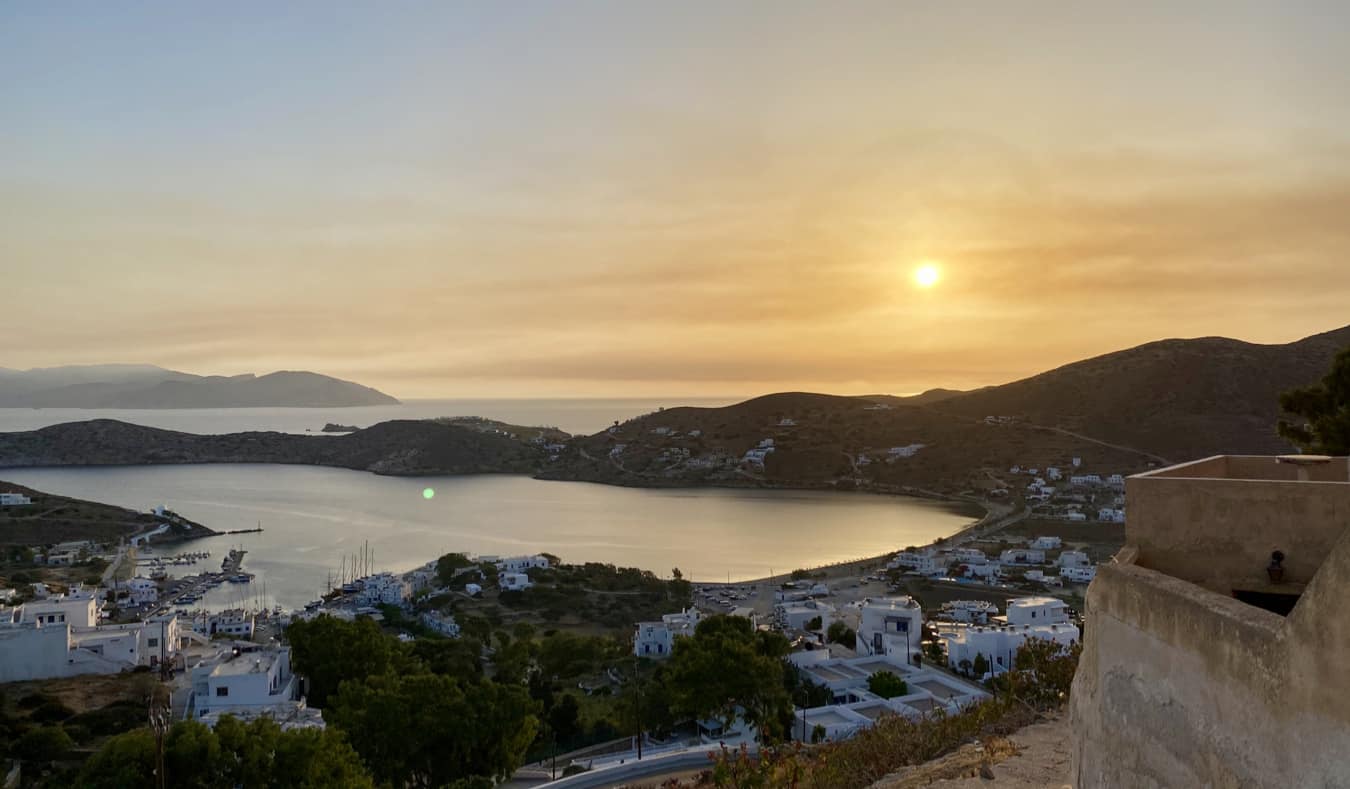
x,y
247,663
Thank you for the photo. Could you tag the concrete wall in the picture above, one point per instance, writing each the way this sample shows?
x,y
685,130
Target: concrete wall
x,y
1179,686
33,652
1219,532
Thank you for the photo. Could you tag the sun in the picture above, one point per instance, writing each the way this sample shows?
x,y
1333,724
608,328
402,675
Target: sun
x,y
927,275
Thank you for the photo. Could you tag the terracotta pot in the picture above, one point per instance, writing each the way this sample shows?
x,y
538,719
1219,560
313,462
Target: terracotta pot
x,y
1276,574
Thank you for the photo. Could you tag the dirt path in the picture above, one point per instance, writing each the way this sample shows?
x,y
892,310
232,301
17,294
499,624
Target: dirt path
x,y
1036,757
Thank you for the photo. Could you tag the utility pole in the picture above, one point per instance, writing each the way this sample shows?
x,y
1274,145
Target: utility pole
x,y
637,681
159,722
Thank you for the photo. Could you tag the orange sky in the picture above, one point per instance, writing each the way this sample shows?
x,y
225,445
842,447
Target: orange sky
x,y
618,199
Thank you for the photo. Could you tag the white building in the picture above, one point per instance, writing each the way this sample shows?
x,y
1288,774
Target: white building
x,y
513,582
1073,559
1045,543
383,588
1078,575
855,707
1022,556
1075,516
988,571
976,611
907,451
657,639
60,639
1053,473
143,591
1037,611
235,622
1116,481
1111,515
14,500
473,589
256,683
444,624
890,626
519,564
999,643
968,556
797,614
924,562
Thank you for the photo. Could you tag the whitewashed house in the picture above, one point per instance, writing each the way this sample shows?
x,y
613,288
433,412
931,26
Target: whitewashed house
x,y
1022,556
924,562
1037,611
890,626
1045,543
657,639
968,556
976,611
513,582
1078,575
999,643
520,564
907,451
797,614
14,500
1075,516
1073,559
384,589
1053,473
143,591
256,683
444,624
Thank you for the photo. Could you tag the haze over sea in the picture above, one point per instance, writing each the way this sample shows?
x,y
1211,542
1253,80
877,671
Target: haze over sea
x,y
314,517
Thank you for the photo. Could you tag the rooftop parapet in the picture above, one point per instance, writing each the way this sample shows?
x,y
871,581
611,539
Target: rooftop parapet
x,y
1215,522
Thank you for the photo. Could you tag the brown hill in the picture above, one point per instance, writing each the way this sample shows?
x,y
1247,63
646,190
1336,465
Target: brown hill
x,y
1181,399
824,441
399,447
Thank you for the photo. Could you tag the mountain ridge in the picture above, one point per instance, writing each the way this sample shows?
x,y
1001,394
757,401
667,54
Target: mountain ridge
x,y
134,386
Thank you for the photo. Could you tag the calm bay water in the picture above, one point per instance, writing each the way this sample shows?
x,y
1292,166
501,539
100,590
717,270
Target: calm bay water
x,y
313,517
577,415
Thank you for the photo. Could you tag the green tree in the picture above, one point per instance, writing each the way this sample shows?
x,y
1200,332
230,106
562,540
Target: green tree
x,y
451,657
450,564
429,730
981,664
814,623
192,755
327,650
841,633
43,744
727,664
565,718
1325,408
125,760
887,685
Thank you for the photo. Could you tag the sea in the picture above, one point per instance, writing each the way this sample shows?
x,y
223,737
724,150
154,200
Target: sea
x,y
316,522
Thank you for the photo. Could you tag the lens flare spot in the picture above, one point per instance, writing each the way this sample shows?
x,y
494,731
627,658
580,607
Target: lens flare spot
x,y
428,493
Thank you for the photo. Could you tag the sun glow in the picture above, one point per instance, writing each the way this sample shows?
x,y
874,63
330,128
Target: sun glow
x,y
927,275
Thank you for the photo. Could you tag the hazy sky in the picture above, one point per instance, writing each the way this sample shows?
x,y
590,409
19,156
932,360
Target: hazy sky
x,y
624,198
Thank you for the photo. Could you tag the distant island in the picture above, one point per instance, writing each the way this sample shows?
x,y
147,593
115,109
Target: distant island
x,y
334,427
398,447
137,386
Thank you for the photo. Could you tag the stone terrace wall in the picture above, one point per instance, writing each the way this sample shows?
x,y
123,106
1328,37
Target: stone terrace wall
x,y
1219,532
1180,687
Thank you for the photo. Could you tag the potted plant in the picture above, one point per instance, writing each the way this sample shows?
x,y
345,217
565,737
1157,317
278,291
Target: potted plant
x,y
1276,567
